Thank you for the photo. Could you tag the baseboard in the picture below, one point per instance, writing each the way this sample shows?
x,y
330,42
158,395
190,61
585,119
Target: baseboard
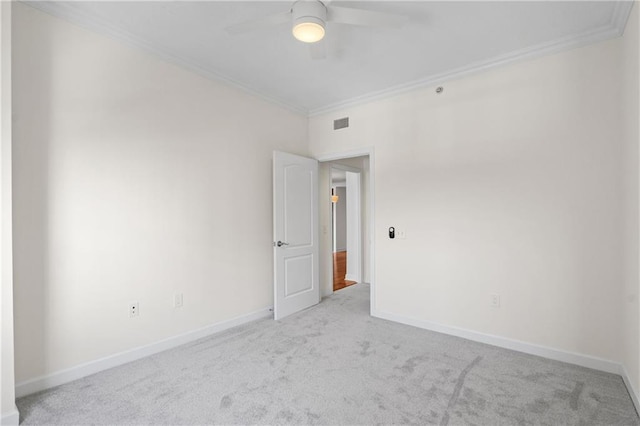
x,y
65,376
12,418
633,393
503,342
528,348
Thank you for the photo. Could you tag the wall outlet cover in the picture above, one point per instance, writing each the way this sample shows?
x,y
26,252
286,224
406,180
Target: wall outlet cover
x,y
134,309
495,300
177,300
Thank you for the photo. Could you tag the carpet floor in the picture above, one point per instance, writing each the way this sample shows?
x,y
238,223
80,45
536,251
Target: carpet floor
x,y
334,364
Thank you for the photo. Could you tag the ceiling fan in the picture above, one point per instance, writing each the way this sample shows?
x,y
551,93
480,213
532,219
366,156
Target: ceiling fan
x,y
309,18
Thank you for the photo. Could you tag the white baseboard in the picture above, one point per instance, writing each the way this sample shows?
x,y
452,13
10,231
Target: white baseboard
x,y
633,393
65,376
12,418
528,348
503,342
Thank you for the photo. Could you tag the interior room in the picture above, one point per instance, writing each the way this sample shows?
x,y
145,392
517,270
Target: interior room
x,y
494,274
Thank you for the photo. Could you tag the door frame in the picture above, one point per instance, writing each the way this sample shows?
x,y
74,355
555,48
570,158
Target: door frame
x,y
361,152
358,215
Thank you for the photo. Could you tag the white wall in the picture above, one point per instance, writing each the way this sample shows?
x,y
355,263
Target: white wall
x,y
353,200
630,76
367,235
507,183
8,411
340,219
134,180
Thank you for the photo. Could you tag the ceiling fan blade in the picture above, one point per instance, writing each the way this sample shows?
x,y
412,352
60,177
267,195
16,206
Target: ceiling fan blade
x,y
259,24
318,50
346,15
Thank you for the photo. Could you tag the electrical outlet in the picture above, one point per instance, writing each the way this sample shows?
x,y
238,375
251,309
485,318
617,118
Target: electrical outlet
x,y
495,300
177,300
134,309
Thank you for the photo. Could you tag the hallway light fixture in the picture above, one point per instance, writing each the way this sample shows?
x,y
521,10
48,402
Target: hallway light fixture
x,y
334,197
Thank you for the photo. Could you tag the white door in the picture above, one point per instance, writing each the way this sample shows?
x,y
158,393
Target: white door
x,y
295,233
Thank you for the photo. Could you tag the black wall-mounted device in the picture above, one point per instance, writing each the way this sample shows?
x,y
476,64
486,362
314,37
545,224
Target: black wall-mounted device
x,y
392,232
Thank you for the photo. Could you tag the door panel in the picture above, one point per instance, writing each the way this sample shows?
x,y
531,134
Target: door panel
x,y
295,233
298,217
297,278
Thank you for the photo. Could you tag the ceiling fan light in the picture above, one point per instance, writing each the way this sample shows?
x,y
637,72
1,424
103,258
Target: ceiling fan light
x,y
308,29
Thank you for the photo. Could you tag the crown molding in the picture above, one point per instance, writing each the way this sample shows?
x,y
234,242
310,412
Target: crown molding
x,y
67,12
615,28
621,14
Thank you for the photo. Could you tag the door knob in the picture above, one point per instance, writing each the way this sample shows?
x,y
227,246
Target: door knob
x,y
280,244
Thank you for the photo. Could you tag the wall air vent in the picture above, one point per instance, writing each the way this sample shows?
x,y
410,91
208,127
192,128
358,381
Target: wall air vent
x,y
340,123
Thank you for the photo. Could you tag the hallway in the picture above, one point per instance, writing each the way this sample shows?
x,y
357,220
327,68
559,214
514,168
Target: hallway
x,y
340,270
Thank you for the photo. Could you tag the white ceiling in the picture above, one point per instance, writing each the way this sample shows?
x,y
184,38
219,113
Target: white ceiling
x,y
442,40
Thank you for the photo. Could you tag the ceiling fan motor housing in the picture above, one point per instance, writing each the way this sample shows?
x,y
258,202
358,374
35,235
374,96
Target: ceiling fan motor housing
x,y
306,13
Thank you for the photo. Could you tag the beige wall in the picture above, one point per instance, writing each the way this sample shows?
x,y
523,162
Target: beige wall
x,y
630,75
134,180
340,219
508,183
8,412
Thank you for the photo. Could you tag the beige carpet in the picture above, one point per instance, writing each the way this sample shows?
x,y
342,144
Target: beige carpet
x,y
333,364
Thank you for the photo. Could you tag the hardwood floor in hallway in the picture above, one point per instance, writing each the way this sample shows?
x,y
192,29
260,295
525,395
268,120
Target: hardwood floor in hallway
x,y
340,270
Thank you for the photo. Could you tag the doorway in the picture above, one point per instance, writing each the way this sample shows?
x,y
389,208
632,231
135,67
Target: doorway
x,y
342,221
359,261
